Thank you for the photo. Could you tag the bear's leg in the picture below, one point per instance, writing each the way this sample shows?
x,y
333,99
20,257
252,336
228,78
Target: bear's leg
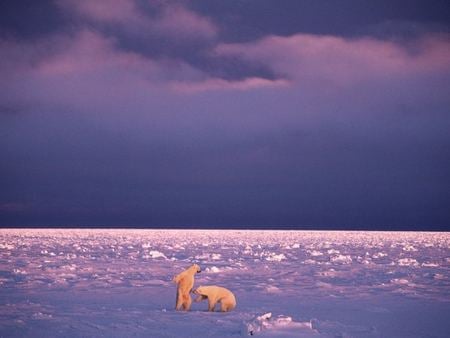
x,y
227,304
211,304
224,306
187,302
179,302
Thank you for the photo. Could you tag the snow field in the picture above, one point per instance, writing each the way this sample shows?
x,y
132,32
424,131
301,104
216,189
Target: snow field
x,y
313,283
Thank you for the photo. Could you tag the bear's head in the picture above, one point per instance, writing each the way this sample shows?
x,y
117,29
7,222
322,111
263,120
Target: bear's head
x,y
199,291
196,268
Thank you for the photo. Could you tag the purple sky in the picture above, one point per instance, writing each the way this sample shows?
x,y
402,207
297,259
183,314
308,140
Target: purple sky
x,y
225,113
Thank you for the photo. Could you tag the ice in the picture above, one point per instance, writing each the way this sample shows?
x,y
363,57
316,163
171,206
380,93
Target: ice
x,y
213,269
283,326
379,255
343,259
407,261
333,251
118,283
40,315
315,253
409,247
400,281
6,246
275,257
272,289
216,256
156,254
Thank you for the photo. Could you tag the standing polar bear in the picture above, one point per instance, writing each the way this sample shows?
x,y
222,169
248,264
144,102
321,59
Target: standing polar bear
x,y
185,282
216,294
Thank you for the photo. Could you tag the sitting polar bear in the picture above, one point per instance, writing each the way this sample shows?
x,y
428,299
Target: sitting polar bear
x,y
185,282
216,294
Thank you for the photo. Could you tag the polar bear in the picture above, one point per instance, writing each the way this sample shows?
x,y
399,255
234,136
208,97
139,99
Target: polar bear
x,y
216,294
185,282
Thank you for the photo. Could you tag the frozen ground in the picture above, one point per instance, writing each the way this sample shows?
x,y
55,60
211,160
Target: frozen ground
x,y
117,283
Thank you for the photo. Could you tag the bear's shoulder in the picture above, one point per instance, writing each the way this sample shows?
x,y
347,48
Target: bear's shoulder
x,y
212,289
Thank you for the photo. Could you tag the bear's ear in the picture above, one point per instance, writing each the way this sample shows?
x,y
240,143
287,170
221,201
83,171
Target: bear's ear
x,y
176,279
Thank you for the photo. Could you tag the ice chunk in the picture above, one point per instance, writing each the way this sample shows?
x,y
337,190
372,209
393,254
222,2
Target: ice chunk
x,y
379,255
6,246
280,325
409,247
40,315
274,257
400,281
272,289
264,316
216,256
407,262
157,254
343,259
213,269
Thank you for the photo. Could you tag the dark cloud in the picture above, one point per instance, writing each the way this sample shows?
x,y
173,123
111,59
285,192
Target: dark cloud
x,y
244,20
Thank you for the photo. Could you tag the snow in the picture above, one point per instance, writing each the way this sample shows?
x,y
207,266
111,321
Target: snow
x,y
265,325
407,261
156,254
275,257
315,253
117,283
343,259
213,269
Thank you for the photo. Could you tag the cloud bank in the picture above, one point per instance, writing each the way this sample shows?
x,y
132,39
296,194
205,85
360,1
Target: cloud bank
x,y
297,129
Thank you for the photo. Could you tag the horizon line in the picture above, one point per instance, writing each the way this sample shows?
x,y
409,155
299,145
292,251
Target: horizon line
x,y
236,227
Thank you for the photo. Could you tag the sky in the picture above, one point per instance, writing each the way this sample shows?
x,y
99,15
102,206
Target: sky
x,y
239,113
